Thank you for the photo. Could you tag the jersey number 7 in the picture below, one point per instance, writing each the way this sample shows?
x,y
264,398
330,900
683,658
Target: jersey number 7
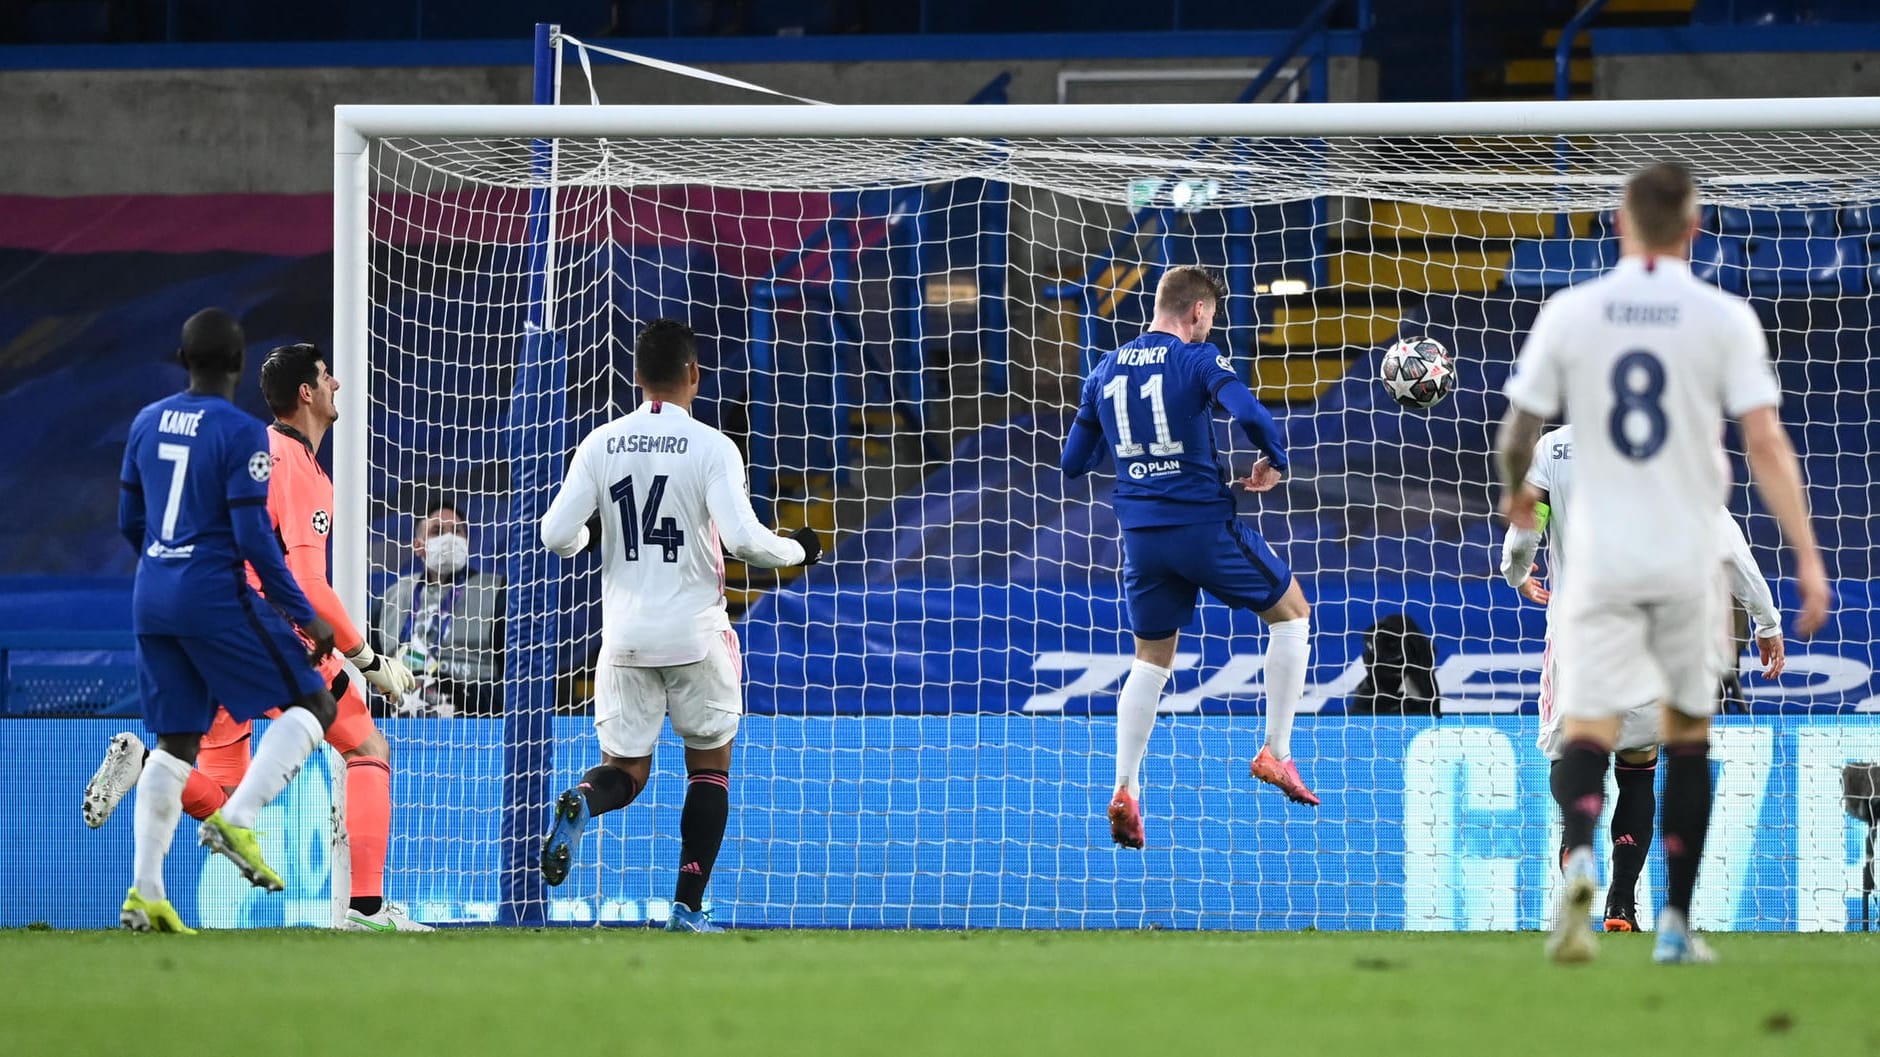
x,y
648,527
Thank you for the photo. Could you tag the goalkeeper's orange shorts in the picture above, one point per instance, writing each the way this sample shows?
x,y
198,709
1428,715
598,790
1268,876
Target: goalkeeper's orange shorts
x,y
226,748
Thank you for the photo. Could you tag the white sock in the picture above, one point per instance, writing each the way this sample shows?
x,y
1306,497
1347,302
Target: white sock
x,y
287,744
159,808
1287,655
1135,718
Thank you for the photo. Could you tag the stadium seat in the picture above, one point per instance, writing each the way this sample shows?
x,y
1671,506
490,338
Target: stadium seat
x,y
1548,264
1732,220
1721,260
1813,263
1747,12
1859,221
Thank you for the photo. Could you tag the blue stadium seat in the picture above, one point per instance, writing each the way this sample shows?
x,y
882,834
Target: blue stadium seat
x,y
1859,220
1747,12
1732,220
1548,264
1721,260
1808,264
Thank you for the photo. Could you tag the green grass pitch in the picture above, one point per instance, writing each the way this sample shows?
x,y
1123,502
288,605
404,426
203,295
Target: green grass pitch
x,y
962,994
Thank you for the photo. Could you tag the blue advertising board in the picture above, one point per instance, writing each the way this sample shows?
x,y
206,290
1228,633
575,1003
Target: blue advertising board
x,y
992,820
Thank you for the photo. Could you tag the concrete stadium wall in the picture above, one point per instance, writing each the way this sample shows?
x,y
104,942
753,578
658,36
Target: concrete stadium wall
x,y
89,132
1736,75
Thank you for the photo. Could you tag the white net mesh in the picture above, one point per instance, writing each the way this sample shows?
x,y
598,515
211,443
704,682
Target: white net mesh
x,y
894,330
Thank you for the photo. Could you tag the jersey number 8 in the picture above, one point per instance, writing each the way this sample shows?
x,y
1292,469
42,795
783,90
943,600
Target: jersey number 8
x,y
1638,389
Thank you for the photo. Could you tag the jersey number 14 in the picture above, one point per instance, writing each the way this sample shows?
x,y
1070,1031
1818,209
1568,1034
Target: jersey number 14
x,y
637,526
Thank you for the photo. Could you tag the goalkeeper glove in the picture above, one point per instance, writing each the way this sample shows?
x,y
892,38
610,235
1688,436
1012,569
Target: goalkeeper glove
x,y
389,674
812,546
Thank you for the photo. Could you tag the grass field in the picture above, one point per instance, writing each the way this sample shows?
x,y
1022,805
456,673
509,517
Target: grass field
x,y
633,992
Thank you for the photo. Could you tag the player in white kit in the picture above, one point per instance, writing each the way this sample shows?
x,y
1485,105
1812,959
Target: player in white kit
x,y
670,496
1636,765
1647,360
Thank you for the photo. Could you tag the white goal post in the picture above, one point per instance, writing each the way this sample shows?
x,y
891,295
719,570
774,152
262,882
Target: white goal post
x,y
929,732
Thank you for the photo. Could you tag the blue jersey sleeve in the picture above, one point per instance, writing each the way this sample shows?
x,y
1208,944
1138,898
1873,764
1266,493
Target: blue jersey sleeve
x,y
131,491
1083,449
1231,394
250,465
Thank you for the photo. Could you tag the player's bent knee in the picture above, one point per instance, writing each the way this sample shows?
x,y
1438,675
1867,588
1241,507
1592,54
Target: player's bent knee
x,y
1158,650
321,706
182,746
375,747
1681,729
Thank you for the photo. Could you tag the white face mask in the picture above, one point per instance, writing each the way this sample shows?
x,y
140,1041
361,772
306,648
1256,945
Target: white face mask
x,y
446,554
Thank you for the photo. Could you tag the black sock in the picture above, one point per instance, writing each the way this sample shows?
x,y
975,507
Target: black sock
x,y
1579,781
1686,819
607,789
1631,830
701,831
367,905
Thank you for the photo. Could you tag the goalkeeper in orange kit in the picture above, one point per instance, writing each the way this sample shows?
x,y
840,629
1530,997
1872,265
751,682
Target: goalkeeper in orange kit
x,y
301,392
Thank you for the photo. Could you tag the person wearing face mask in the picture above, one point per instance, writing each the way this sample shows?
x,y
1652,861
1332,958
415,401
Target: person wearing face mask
x,y
445,622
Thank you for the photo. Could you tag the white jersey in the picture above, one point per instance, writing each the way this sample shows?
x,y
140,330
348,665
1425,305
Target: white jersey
x,y
672,497
1552,472
1647,360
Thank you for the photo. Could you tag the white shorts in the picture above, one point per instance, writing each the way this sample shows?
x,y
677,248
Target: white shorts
x,y
1638,728
1615,657
705,700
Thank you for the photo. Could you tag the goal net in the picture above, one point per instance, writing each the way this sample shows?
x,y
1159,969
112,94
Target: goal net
x,y
895,314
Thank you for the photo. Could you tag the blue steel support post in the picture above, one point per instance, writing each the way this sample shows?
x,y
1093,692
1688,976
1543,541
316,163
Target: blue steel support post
x,y
1563,69
995,221
1242,337
763,399
845,307
908,382
534,435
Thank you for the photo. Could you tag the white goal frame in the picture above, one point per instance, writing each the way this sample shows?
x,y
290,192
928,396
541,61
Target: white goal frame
x,y
353,125
1549,127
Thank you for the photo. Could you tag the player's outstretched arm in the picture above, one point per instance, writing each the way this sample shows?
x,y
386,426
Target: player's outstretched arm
x,y
1254,420
565,525
1748,587
1778,479
728,498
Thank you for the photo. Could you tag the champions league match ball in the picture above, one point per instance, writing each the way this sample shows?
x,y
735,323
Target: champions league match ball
x,y
1418,372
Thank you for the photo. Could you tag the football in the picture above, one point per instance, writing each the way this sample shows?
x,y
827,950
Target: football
x,y
1418,372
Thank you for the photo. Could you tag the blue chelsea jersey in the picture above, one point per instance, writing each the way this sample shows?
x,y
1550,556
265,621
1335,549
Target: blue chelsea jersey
x,y
189,462
1154,398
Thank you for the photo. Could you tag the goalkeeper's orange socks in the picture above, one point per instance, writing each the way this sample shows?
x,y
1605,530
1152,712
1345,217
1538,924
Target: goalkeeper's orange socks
x,y
1579,785
202,797
607,789
1686,820
701,831
368,829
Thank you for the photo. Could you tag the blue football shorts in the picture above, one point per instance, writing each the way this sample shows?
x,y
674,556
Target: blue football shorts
x,y
250,664
1164,569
